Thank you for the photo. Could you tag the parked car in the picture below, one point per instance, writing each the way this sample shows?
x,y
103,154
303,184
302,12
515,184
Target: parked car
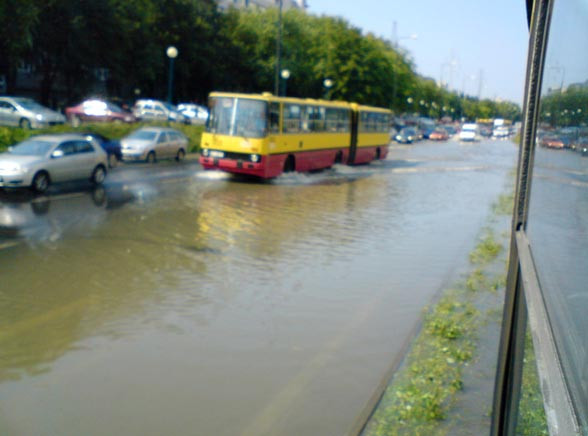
x,y
96,110
152,143
407,135
42,160
196,114
27,113
110,146
155,110
439,134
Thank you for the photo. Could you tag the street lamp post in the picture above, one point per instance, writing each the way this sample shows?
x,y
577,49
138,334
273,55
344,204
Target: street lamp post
x,y
285,76
328,84
171,53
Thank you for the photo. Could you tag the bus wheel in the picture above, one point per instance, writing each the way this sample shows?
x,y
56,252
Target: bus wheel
x,y
338,158
290,164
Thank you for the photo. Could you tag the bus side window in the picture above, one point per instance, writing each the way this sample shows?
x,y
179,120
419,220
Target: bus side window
x,y
291,118
305,115
274,118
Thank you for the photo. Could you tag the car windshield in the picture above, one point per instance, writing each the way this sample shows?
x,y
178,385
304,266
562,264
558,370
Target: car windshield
x,y
31,147
29,104
114,108
237,117
143,135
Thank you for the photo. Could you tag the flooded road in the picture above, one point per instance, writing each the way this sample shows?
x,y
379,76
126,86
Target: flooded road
x,y
177,301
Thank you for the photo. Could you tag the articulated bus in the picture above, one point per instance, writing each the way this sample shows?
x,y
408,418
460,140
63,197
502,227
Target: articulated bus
x,y
263,135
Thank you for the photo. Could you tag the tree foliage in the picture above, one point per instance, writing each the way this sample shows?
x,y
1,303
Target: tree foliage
x,y
68,41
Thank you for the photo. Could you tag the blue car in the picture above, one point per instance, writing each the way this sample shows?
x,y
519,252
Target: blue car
x,y
110,146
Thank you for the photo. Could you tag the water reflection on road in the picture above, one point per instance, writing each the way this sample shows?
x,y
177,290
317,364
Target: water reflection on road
x,y
183,302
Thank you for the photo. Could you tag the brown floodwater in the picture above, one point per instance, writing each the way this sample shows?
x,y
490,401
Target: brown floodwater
x,y
181,302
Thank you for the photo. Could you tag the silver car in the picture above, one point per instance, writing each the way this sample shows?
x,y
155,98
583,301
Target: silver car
x,y
156,110
152,143
27,113
42,160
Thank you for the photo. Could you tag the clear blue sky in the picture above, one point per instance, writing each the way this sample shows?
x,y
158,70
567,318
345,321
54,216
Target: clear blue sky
x,y
458,41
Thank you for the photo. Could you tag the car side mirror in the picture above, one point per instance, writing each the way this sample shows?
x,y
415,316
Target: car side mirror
x,y
57,154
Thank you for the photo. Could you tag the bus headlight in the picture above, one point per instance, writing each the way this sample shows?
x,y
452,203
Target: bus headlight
x,y
205,152
254,158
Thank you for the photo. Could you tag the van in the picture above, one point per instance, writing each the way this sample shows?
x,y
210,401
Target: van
x,y
469,132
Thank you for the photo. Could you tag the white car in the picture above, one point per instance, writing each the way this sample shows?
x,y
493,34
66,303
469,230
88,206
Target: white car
x,y
152,143
42,160
469,132
196,114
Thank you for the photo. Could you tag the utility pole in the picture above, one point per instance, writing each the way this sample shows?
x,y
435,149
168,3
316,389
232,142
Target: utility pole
x,y
278,50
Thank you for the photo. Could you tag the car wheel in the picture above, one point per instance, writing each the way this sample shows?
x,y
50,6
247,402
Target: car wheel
x,y
112,160
181,155
98,175
25,124
41,182
75,121
151,159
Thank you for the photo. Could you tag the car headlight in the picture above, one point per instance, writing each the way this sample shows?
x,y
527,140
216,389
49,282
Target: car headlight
x,y
205,152
254,158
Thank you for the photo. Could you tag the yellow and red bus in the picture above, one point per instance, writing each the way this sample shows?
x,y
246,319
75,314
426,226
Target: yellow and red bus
x,y
263,135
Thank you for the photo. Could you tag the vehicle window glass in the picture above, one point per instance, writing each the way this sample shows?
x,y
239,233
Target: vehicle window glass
x,y
274,114
32,147
558,203
143,135
68,148
84,147
162,138
292,114
250,118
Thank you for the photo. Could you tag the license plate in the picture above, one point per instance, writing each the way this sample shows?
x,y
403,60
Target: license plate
x,y
215,153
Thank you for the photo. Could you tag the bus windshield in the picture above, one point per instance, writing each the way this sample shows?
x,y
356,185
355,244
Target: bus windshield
x,y
237,117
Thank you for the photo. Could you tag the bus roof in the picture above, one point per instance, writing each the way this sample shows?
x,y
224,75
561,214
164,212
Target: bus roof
x,y
266,96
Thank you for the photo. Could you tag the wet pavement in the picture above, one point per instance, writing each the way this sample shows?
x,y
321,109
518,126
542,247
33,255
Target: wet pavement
x,y
177,301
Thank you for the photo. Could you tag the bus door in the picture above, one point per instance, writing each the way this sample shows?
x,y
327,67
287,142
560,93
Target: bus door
x,y
353,144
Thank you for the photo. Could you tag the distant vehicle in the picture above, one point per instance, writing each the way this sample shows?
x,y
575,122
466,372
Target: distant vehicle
x,y
96,110
582,145
407,135
469,132
439,134
554,141
152,143
110,146
451,130
501,132
42,160
27,113
426,130
195,114
156,110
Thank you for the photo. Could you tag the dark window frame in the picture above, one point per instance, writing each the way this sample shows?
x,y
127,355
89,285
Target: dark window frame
x,y
524,303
